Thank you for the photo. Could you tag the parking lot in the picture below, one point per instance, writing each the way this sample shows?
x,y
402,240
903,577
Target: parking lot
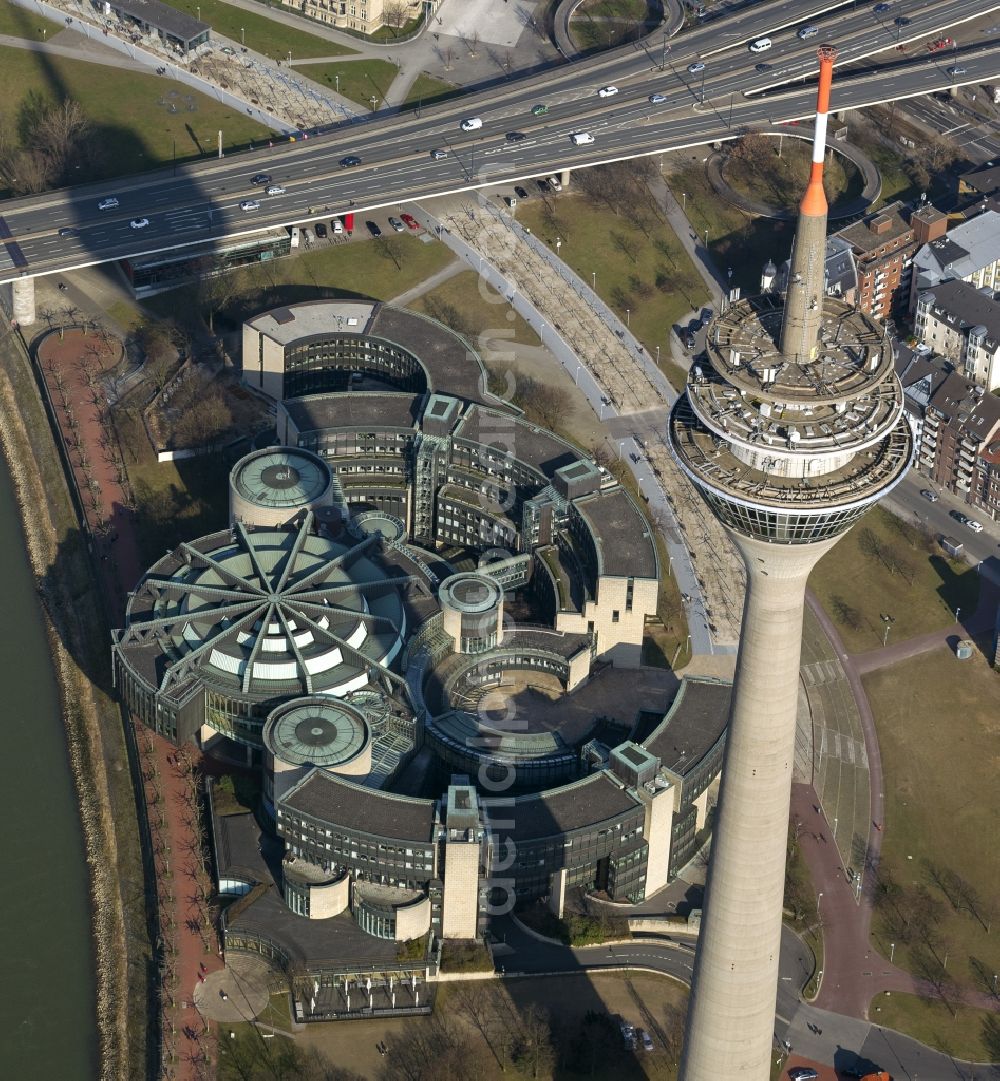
x,y
372,225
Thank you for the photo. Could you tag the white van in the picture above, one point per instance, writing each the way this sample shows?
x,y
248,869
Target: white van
x,y
581,138
472,123
555,183
761,45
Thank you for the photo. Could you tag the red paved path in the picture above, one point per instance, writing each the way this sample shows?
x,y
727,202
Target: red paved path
x,y
64,364
854,970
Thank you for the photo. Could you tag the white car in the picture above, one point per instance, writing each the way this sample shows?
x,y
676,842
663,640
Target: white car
x,y
338,227
761,45
141,223
108,204
249,204
472,123
807,32
581,138
555,183
274,189
657,99
607,91
695,68
976,527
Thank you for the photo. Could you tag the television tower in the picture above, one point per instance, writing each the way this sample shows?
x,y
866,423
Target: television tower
x,y
791,427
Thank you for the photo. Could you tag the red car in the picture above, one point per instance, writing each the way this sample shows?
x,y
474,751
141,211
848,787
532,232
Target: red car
x,y
411,221
941,43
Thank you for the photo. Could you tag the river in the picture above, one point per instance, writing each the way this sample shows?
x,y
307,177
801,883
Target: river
x,y
47,1028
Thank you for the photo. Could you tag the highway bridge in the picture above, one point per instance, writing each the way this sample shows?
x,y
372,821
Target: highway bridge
x,y
733,91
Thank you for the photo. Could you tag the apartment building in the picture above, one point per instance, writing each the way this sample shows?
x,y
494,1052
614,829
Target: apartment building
x,y
957,426
364,16
962,322
884,244
970,252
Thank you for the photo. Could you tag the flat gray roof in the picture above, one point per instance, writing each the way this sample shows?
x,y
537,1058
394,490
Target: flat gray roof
x,y
365,810
536,447
163,17
287,325
697,717
354,409
452,366
620,532
582,804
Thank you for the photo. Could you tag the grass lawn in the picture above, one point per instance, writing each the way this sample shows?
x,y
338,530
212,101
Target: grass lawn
x,y
595,241
472,308
783,180
18,22
735,239
855,587
360,269
604,23
964,1036
261,34
176,501
386,35
896,182
938,727
134,131
359,79
426,89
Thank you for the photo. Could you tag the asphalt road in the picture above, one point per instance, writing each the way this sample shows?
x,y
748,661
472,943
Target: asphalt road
x,y
202,200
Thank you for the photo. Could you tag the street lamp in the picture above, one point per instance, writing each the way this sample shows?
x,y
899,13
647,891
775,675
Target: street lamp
x,y
628,315
888,621
337,84
198,9
663,55
593,280
242,36
373,99
558,244
958,612
706,238
892,951
684,204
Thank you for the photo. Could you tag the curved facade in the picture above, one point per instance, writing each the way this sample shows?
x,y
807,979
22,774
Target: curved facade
x,y
221,630
338,650
277,485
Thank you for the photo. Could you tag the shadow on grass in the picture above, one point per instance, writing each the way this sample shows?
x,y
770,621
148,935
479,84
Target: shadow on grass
x,y
960,591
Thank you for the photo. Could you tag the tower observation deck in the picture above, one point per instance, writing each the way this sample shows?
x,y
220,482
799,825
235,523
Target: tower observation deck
x,y
791,427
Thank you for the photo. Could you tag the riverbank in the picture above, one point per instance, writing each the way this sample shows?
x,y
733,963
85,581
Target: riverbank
x,y
78,636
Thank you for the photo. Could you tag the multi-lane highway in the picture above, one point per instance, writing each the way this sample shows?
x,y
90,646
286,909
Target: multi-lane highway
x,y
733,90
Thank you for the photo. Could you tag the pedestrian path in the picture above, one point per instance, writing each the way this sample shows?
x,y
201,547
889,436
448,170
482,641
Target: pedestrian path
x,y
624,388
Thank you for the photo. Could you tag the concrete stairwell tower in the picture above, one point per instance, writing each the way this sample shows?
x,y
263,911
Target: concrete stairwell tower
x,y
791,427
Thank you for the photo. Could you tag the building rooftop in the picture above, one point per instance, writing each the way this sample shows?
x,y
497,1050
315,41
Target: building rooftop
x,y
586,803
281,477
966,250
695,722
163,17
265,613
451,364
621,534
874,230
986,181
354,409
354,807
313,318
321,732
962,306
534,446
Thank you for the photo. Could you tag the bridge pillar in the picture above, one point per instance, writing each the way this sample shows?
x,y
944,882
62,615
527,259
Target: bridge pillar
x,y
24,300
564,177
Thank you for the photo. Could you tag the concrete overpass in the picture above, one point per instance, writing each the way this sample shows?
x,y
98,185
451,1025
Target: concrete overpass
x,y
201,201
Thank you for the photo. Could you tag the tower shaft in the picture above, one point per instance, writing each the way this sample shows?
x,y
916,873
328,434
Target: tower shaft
x,y
731,1017
806,273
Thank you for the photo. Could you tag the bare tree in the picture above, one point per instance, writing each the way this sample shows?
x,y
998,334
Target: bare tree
x,y
394,15
390,247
